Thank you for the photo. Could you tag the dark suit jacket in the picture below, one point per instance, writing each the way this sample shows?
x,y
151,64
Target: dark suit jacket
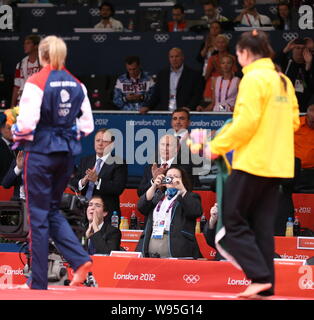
x,y
145,183
107,239
12,180
6,158
182,228
113,180
189,90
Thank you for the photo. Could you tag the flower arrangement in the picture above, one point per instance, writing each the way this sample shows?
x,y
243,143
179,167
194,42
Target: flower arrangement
x,y
11,115
198,142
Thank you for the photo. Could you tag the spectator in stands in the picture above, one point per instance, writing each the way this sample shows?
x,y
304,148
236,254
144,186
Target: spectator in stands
x,y
180,122
101,236
177,86
212,14
309,43
171,210
167,156
250,17
208,47
26,67
13,177
134,88
286,20
108,23
101,173
304,149
296,61
214,64
178,22
6,141
225,87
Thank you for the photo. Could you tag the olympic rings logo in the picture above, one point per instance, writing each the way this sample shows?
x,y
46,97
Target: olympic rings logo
x,y
288,36
99,38
191,278
161,37
38,12
94,12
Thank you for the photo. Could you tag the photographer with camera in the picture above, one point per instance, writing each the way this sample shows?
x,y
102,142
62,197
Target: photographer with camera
x,y
101,236
171,210
296,62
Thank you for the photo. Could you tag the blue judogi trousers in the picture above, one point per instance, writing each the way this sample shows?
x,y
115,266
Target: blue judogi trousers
x,y
45,178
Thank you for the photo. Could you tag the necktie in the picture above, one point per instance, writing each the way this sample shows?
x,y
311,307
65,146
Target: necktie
x,y
91,249
91,185
165,165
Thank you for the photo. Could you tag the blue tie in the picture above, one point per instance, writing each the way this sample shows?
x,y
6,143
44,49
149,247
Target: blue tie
x,y
91,249
91,185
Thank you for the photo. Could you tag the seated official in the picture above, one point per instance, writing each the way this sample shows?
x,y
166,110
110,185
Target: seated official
x,y
13,178
101,236
210,230
171,210
304,150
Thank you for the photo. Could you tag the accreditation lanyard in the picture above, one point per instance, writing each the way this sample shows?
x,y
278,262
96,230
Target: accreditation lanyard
x,y
170,206
220,90
249,20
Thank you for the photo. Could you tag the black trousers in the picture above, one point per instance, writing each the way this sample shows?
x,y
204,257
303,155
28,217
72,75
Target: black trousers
x,y
249,209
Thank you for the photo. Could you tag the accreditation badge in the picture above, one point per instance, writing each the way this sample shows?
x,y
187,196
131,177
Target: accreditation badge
x,y
158,230
299,86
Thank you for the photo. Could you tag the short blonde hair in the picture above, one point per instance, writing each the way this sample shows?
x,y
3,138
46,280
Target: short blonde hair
x,y
53,50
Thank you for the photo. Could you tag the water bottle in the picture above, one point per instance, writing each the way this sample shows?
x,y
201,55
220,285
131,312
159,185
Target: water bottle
x,y
175,27
203,222
115,219
289,228
296,226
133,221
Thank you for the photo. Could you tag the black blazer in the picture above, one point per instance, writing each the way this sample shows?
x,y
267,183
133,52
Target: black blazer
x,y
13,180
113,180
6,158
182,240
145,183
107,239
189,90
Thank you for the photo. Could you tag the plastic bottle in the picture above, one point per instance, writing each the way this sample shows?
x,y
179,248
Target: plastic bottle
x,y
121,223
126,223
131,25
296,226
198,226
115,219
289,228
203,222
133,221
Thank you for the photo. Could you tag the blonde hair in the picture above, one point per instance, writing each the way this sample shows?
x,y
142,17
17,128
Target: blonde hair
x,y
53,50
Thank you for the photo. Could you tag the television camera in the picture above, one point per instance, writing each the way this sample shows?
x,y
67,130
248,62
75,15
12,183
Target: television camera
x,y
14,226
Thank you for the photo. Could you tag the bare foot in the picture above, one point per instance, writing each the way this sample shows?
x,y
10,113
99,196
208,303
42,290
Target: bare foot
x,y
253,289
81,273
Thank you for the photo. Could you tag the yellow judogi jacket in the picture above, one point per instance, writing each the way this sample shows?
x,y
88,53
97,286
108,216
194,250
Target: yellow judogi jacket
x,y
264,120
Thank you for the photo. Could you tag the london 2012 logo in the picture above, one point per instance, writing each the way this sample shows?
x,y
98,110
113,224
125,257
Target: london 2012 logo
x,y
6,17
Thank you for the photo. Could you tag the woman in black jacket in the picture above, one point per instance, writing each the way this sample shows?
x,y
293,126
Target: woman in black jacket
x,y
171,210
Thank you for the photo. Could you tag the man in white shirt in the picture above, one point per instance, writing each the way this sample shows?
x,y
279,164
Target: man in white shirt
x,y
26,67
108,23
101,173
250,17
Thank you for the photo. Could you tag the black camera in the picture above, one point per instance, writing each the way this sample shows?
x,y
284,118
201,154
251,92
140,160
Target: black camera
x,y
13,220
166,180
